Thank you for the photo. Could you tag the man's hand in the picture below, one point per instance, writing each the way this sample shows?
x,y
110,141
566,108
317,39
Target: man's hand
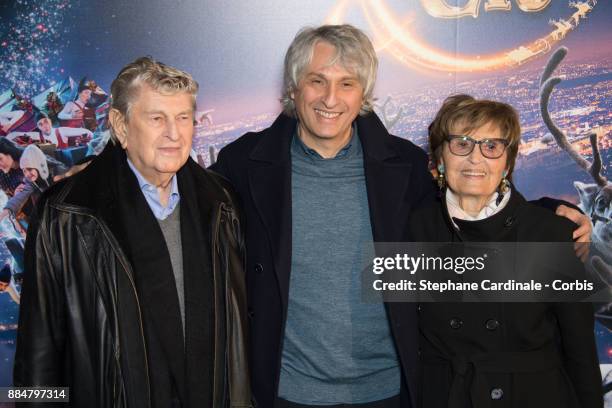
x,y
585,228
582,234
71,172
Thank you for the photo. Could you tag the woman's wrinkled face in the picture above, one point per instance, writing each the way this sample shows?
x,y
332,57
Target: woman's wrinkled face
x,y
474,175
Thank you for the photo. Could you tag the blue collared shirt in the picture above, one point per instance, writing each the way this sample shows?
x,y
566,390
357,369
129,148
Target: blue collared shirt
x,y
152,196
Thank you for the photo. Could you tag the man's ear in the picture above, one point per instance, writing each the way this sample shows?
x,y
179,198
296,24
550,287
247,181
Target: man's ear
x,y
291,92
117,122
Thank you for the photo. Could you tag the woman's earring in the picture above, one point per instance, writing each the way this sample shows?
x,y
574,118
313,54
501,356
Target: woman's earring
x,y
503,188
441,179
504,185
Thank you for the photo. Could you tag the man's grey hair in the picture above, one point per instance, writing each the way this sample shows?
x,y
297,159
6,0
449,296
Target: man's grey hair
x,y
160,77
354,51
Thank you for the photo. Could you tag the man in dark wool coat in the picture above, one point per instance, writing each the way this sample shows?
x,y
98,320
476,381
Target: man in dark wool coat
x,y
325,181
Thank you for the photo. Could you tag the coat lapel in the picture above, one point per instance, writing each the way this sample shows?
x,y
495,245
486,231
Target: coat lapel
x,y
270,187
387,180
387,176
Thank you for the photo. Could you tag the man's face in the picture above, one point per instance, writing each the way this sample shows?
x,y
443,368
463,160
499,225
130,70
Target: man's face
x,y
157,136
44,125
328,97
85,95
3,286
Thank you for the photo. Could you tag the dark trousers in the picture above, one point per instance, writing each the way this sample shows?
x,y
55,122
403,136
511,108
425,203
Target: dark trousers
x,y
393,402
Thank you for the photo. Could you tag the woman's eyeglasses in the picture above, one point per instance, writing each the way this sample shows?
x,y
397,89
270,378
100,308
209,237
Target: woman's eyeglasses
x,y
464,145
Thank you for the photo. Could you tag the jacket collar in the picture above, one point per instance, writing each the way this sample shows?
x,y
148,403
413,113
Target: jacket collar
x,y
375,139
500,226
275,142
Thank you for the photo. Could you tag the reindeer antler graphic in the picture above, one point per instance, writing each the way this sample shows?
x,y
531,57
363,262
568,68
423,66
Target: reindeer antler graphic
x,y
547,85
384,108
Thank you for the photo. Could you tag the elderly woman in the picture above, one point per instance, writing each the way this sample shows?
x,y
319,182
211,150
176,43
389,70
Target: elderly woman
x,y
496,354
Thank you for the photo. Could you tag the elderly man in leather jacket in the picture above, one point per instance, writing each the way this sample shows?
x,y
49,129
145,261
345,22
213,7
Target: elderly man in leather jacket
x,y
134,291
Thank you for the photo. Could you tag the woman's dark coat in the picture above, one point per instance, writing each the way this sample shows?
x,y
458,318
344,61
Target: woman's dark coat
x,y
505,354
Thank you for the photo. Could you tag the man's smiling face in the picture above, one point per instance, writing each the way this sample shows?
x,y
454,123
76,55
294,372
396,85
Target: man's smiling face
x,y
328,97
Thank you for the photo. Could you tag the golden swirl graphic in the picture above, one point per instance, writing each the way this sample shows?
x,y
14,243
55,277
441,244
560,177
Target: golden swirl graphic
x,y
397,38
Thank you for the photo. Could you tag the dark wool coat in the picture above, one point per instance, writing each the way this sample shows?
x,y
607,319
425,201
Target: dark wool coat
x,y
259,167
505,354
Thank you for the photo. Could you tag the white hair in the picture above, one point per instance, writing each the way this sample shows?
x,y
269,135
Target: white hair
x,y
354,51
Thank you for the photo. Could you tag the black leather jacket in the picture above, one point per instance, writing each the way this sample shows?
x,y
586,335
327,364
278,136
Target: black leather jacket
x,y
79,328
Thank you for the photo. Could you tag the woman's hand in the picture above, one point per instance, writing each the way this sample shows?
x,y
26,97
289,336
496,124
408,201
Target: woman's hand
x,y
19,188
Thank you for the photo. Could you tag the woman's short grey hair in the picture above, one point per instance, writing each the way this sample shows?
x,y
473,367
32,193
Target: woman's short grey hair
x,y
160,77
354,51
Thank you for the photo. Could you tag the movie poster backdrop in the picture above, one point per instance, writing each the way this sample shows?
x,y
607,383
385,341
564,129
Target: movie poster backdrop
x,y
58,58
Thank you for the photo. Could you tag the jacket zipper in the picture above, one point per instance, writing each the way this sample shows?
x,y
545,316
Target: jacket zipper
x,y
214,268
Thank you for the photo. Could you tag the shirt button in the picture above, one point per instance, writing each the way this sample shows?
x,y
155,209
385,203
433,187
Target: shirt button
x,y
259,268
497,393
509,221
456,323
492,324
